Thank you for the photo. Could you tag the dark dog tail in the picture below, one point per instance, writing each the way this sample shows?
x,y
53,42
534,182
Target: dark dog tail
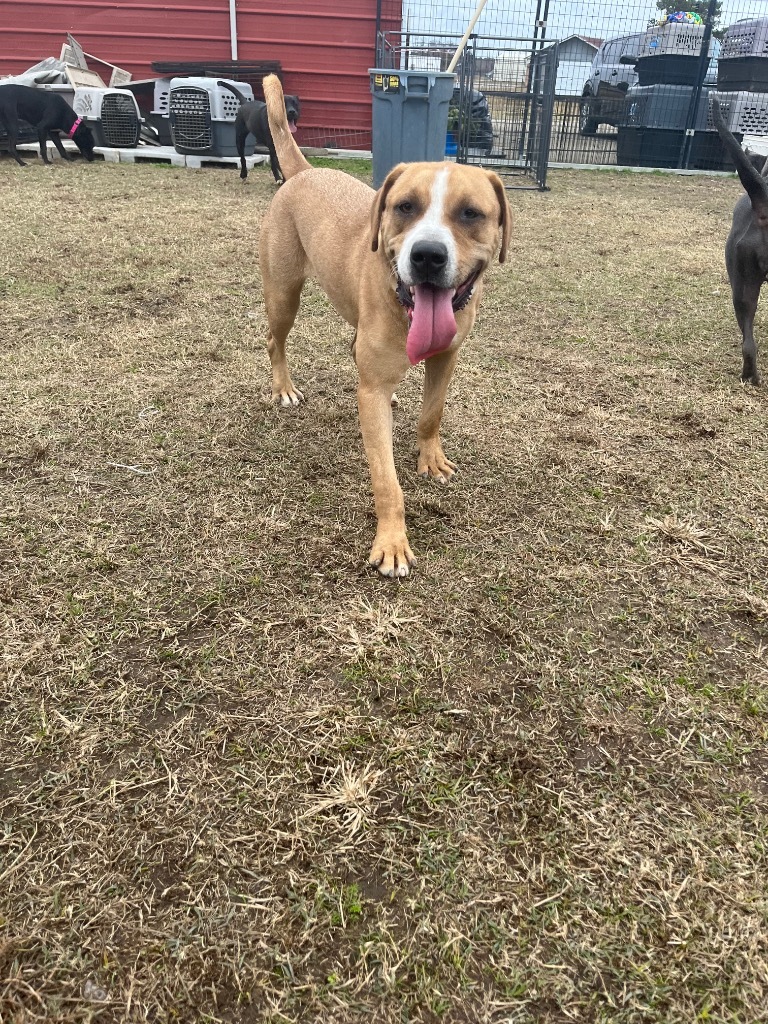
x,y
289,155
752,180
232,89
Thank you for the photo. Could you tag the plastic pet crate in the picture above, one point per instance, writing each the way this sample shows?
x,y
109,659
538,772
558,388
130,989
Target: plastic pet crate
x,y
747,38
743,65
111,114
161,96
202,115
159,116
743,74
745,113
67,92
653,129
660,147
669,69
676,38
669,55
664,106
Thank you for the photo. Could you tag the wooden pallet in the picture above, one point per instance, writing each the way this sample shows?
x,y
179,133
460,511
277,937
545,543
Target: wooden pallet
x,y
169,154
164,154
33,147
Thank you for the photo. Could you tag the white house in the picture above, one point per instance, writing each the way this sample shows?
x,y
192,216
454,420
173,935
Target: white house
x,y
574,60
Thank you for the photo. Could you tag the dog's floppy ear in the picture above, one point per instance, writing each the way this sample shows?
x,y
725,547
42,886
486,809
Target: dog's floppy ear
x,y
379,203
505,213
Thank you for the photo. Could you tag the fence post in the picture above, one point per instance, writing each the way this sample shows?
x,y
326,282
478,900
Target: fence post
x,y
466,83
540,22
547,110
693,106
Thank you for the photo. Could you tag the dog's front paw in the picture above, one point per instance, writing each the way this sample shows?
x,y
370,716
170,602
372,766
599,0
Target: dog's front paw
x,y
391,554
288,397
433,463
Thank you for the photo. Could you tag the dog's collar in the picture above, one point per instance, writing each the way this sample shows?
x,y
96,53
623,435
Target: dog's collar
x,y
73,129
460,299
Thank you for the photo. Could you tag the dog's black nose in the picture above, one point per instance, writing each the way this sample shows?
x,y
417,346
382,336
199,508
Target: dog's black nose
x,y
428,259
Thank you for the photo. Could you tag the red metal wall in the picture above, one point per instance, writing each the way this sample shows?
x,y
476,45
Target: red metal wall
x,y
325,47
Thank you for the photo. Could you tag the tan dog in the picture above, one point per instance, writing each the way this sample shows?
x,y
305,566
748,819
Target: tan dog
x,y
404,266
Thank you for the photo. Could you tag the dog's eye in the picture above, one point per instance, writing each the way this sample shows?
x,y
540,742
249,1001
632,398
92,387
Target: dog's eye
x,y
405,207
470,213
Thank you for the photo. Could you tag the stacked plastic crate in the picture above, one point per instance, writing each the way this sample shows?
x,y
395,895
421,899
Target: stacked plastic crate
x,y
742,77
669,69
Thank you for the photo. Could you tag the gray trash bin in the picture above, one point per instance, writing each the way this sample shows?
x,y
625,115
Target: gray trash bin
x,y
410,117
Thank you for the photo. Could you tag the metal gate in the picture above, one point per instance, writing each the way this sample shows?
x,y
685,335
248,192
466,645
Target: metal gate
x,y
503,102
506,98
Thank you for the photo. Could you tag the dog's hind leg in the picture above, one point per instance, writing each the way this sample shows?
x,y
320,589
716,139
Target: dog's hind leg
x,y
241,134
438,371
283,273
746,293
9,121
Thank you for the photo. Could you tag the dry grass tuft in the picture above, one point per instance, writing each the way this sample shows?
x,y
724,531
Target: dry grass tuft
x,y
350,791
683,531
242,779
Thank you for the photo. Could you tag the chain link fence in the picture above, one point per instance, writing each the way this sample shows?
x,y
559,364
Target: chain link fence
x,y
634,82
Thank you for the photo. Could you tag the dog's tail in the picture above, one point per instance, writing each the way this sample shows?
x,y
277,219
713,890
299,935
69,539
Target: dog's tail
x,y
752,180
289,156
232,89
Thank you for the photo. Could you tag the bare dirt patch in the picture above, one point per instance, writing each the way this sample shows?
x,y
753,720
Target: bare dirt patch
x,y
243,779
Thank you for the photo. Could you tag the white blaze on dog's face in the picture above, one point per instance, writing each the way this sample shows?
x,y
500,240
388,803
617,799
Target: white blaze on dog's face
x,y
440,226
425,227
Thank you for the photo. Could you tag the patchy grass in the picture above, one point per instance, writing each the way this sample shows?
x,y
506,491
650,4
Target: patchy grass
x,y
243,778
361,168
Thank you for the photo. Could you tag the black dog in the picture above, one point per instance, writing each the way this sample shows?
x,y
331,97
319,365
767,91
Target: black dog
x,y
252,120
49,113
746,249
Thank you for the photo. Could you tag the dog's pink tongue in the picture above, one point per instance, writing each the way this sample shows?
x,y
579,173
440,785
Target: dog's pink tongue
x,y
433,326
292,126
